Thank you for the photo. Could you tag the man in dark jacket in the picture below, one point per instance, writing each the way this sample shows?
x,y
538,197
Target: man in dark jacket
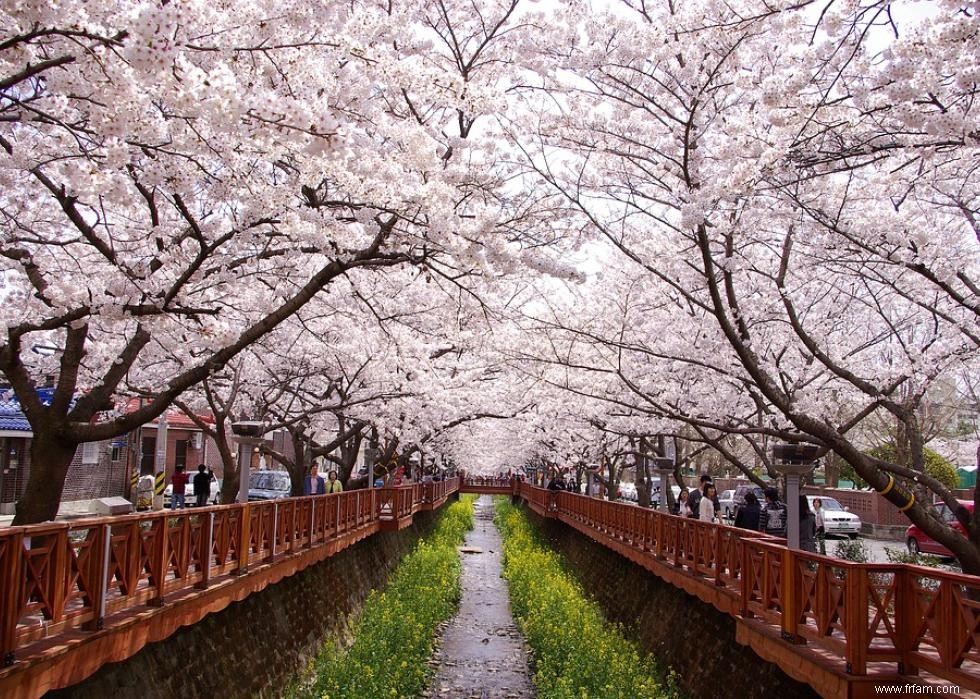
x,y
747,516
772,519
202,485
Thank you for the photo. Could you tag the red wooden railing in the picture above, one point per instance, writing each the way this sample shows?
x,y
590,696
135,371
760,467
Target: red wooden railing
x,y
58,577
864,614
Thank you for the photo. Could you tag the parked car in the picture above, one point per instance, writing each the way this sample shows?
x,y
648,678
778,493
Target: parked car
x,y
268,485
836,519
920,542
189,498
727,501
627,491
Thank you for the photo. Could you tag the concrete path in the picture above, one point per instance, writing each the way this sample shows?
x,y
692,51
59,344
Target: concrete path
x,y
481,653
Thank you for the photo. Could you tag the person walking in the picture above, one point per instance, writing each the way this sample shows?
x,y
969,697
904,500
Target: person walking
x,y
706,506
818,521
747,514
683,507
178,484
334,485
314,484
772,519
694,501
808,527
202,485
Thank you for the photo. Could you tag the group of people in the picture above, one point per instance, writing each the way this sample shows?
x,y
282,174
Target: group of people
x,y
564,482
201,485
315,485
769,517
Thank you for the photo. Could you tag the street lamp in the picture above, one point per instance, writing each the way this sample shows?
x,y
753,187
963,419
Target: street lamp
x,y
664,467
793,461
248,434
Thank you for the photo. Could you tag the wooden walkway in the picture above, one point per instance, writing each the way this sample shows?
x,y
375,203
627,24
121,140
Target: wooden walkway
x,y
844,628
74,596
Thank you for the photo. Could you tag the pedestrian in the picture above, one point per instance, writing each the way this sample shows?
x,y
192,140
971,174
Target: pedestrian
x,y
555,483
178,485
772,519
747,514
808,527
334,485
706,506
313,484
818,521
202,485
695,497
683,507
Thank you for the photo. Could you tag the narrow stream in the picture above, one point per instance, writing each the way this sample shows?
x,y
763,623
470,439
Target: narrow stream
x,y
481,652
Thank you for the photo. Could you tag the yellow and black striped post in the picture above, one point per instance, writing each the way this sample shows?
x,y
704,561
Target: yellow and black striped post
x,y
159,483
134,480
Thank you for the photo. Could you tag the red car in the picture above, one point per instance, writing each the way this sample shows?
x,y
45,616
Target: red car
x,y
917,540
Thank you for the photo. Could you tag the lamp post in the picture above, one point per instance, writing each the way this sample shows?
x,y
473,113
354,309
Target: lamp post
x,y
248,434
793,461
665,468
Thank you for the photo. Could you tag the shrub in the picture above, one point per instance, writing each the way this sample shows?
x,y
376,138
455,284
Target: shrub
x,y
394,635
852,550
904,556
577,653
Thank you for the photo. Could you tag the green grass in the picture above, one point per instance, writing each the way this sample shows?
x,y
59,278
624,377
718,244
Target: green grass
x,y
395,632
577,653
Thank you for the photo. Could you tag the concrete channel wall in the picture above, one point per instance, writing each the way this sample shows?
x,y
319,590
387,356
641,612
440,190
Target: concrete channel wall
x,y
685,634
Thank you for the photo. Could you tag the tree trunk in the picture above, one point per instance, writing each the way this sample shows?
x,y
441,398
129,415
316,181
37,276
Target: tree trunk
x,y
50,461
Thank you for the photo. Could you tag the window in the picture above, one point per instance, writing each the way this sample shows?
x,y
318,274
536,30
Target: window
x,y
90,452
180,455
117,454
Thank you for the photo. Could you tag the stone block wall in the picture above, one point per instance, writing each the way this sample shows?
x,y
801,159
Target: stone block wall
x,y
253,648
685,634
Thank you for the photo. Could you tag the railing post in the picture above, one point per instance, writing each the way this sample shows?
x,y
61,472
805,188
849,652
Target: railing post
x,y
789,597
309,540
275,530
99,576
720,558
245,534
58,575
207,548
11,589
357,508
856,620
746,575
161,553
906,620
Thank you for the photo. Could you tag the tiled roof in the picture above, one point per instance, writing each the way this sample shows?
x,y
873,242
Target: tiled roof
x,y
15,424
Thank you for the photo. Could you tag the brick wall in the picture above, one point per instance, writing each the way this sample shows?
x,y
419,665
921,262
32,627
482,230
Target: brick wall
x,y
682,632
253,648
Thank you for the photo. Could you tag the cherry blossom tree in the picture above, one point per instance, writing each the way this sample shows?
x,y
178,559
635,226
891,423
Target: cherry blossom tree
x,y
178,179
796,228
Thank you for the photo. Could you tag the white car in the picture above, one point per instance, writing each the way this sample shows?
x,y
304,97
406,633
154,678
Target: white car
x,y
627,491
727,501
836,519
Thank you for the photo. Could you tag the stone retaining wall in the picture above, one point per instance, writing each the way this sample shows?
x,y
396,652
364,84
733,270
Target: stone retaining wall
x,y
256,646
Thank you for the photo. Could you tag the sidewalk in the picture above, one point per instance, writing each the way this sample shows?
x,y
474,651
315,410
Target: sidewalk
x,y
73,509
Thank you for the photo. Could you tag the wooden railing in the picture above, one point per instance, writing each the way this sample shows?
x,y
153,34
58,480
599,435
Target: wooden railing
x,y
909,618
61,577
